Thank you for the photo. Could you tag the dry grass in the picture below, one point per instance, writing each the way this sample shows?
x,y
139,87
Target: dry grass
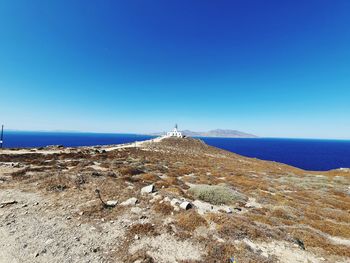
x,y
190,220
149,178
20,174
57,183
142,229
130,171
331,228
289,196
312,239
223,252
237,228
163,208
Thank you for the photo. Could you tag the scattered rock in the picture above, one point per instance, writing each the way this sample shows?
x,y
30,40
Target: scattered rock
x,y
252,245
155,198
112,203
174,202
95,250
9,202
130,201
252,203
147,189
136,210
96,174
300,243
203,207
226,209
185,205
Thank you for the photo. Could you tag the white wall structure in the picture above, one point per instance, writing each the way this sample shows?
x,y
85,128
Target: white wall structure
x,y
174,133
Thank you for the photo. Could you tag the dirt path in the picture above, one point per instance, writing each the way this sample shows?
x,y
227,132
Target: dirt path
x,y
31,231
7,254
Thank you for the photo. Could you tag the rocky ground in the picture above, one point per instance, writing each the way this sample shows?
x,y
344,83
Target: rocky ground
x,y
169,200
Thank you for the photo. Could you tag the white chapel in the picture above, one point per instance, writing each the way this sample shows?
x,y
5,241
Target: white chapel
x,y
174,133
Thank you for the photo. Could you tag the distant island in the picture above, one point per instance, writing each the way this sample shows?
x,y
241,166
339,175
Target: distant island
x,y
214,133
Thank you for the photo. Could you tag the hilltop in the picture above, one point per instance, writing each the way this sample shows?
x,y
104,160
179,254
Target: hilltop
x,y
215,133
168,200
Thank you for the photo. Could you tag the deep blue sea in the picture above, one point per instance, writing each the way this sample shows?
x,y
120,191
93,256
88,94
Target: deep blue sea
x,y
318,155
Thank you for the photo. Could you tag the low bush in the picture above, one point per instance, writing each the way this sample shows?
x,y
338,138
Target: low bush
x,y
190,220
163,208
58,183
215,194
142,229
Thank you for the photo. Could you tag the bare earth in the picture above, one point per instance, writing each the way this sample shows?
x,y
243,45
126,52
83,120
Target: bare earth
x,y
259,211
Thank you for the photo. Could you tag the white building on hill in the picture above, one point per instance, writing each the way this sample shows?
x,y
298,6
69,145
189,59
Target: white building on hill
x,y
174,133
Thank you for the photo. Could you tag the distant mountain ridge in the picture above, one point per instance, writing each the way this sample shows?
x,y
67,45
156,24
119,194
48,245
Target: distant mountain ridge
x,y
223,133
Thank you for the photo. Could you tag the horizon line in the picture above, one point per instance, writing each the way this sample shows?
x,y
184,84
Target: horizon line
x,y
150,134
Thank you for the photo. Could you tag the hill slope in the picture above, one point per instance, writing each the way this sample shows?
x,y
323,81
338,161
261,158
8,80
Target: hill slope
x,y
253,210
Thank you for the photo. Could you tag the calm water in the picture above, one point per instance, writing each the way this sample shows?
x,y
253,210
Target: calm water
x,y
318,155
38,139
307,154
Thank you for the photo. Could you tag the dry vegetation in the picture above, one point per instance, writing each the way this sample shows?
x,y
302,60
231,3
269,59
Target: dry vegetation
x,y
291,206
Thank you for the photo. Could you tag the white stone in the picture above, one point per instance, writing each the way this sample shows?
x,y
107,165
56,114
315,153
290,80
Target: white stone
x,y
252,203
130,201
112,202
252,245
136,210
203,207
174,201
155,198
185,205
227,209
147,189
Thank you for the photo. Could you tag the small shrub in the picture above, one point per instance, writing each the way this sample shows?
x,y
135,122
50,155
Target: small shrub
x,y
190,220
142,229
215,194
20,174
130,171
58,183
149,177
163,208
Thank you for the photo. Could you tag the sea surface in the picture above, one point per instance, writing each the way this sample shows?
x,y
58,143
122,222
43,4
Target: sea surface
x,y
309,154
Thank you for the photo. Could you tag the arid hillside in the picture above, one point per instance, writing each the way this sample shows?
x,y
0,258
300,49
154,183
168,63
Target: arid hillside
x,y
168,200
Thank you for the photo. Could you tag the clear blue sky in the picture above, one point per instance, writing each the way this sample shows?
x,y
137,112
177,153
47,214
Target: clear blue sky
x,y
273,68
